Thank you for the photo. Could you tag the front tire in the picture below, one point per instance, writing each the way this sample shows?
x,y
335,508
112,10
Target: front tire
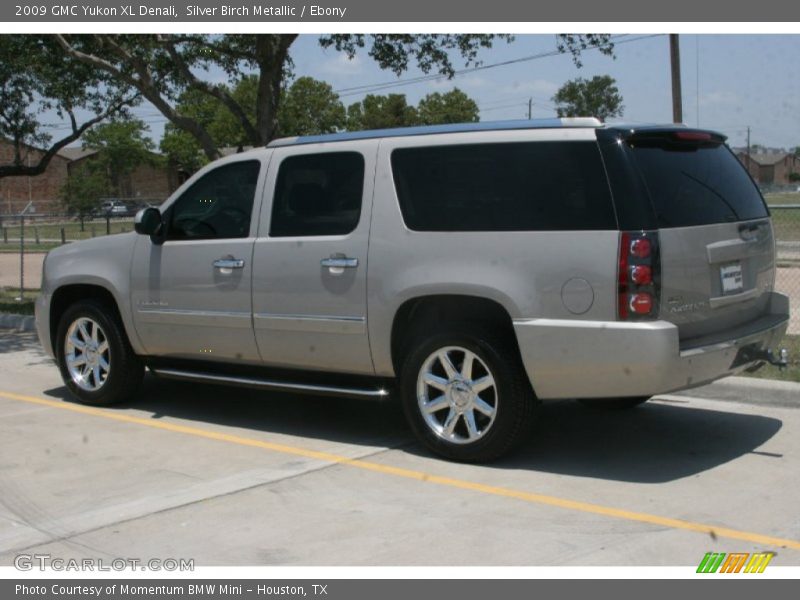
x,y
466,395
95,358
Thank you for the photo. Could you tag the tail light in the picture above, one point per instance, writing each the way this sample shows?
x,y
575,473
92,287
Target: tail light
x,y
639,277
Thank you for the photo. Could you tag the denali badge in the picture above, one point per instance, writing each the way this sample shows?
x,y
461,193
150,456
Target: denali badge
x,y
676,305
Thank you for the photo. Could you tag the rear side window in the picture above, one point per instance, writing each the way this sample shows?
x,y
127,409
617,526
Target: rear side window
x,y
318,194
691,185
529,186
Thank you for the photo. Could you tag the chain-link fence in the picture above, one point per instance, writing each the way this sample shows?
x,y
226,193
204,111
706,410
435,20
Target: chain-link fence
x,y
785,209
27,239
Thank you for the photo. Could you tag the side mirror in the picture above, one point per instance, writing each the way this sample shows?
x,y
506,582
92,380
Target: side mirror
x,y
147,221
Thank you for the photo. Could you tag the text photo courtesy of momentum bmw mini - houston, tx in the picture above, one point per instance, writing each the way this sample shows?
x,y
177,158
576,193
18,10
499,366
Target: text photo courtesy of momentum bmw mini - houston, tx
x,y
363,300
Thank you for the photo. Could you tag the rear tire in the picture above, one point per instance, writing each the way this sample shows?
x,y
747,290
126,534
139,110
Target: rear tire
x,y
474,409
95,358
614,403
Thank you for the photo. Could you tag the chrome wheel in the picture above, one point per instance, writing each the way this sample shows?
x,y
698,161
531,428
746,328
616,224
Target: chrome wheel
x,y
86,353
457,395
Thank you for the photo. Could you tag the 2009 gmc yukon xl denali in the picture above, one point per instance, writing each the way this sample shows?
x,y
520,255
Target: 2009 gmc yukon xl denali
x,y
478,267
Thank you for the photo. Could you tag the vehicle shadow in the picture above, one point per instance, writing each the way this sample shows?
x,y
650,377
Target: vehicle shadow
x,y
340,420
657,442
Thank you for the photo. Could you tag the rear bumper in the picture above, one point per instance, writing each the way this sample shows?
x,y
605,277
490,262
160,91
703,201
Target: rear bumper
x,y
607,359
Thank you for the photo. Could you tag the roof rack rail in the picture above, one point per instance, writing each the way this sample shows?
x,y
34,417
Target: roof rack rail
x,y
572,122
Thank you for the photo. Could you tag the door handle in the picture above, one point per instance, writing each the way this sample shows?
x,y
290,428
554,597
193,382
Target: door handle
x,y
335,262
229,263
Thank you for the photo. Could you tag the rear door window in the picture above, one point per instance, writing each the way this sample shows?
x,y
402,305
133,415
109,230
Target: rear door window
x,y
697,185
318,194
528,186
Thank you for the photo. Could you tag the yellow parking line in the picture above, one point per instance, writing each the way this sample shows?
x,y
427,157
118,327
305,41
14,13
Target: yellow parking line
x,y
564,503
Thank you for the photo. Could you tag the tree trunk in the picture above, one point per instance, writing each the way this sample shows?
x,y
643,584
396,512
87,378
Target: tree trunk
x,y
271,52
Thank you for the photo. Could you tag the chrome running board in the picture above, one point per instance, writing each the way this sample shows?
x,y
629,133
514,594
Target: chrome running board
x,y
272,385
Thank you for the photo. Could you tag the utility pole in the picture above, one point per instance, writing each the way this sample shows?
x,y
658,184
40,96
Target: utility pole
x,y
530,108
748,147
675,62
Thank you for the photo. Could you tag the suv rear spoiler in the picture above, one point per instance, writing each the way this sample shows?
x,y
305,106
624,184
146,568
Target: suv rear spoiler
x,y
673,136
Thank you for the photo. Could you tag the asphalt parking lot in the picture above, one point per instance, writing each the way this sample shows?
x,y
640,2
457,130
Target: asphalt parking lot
x,y
234,477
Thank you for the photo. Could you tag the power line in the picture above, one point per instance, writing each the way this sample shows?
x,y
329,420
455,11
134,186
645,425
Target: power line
x,y
361,89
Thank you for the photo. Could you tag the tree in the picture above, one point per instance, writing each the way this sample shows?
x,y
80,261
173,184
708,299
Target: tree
x,y
163,67
225,130
393,110
310,107
35,79
597,97
452,107
381,112
83,191
121,146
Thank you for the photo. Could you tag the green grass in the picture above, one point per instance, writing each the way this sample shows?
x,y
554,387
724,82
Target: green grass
x,y
788,198
790,373
72,230
10,304
787,224
29,248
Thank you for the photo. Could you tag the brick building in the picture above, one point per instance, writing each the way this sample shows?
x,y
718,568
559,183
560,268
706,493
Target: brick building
x,y
771,168
43,190
146,183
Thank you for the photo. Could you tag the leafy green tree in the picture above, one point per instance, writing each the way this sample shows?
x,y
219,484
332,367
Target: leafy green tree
x,y
83,191
393,110
35,78
452,107
596,97
310,107
163,67
121,146
182,149
381,112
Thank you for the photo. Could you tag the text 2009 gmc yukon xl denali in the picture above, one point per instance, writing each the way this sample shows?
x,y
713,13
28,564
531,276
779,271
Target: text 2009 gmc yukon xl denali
x,y
480,267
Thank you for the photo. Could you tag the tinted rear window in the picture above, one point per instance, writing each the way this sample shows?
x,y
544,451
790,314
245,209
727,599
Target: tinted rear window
x,y
697,185
530,186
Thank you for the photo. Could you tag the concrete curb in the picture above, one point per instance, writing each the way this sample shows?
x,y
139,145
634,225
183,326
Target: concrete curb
x,y
17,322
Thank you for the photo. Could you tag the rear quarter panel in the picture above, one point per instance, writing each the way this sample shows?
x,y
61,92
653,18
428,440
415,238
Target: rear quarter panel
x,y
524,272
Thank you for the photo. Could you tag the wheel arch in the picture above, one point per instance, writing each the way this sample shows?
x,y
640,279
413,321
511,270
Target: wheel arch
x,y
66,295
423,313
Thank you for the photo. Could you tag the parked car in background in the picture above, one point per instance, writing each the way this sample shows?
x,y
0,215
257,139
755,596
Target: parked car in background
x,y
114,209
476,269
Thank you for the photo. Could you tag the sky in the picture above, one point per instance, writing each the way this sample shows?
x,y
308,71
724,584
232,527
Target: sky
x,y
729,82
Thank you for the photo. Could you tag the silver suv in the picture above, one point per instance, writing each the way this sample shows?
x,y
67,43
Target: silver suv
x,y
474,268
